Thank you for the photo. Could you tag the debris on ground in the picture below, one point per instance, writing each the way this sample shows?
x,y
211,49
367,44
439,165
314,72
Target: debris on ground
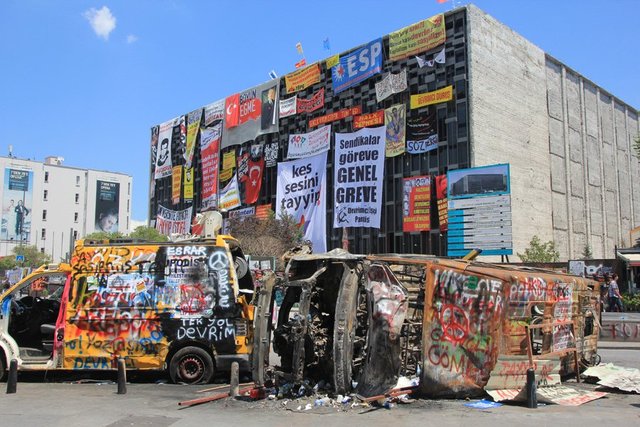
x,y
615,377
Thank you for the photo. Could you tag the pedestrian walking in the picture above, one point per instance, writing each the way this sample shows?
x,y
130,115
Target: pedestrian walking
x,y
615,299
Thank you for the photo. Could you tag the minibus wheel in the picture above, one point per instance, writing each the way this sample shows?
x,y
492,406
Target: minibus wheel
x,y
3,367
191,365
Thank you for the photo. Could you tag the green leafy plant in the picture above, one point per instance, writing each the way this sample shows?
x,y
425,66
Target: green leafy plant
x,y
586,252
32,258
631,302
539,251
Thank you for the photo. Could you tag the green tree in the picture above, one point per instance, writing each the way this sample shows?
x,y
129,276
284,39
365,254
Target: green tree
x,y
32,258
586,252
103,235
539,251
149,234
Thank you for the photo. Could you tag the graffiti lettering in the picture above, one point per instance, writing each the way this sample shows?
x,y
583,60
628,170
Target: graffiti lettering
x,y
209,329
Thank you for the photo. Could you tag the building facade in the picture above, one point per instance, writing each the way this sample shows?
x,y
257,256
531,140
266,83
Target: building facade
x,y
574,177
50,205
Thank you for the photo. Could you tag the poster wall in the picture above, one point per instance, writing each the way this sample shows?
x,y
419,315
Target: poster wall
x,y
479,211
416,204
17,204
358,176
107,206
301,193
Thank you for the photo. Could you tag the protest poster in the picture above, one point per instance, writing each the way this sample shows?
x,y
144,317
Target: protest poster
x,y
301,193
257,114
288,107
394,119
356,67
368,120
390,84
429,98
187,186
309,144
214,112
155,132
358,176
193,125
271,154
254,174
338,115
263,211
416,204
176,184
164,163
422,134
210,159
302,79
417,38
173,222
230,195
441,196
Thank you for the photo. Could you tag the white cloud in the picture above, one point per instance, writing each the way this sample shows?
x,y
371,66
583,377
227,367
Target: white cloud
x,y
101,20
132,38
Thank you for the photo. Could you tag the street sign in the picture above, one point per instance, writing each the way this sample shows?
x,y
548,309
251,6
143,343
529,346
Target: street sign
x,y
20,258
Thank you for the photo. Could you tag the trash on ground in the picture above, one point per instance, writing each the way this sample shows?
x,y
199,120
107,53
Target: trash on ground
x,y
609,375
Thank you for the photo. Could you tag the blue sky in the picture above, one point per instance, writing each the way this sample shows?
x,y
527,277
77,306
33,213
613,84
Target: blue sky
x,y
90,93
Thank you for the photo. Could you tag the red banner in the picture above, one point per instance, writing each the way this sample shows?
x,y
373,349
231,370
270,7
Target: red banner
x,y
254,181
368,120
263,211
441,196
210,158
311,104
338,115
232,111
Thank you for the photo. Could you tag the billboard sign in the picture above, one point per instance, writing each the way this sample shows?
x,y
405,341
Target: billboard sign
x,y
107,206
17,203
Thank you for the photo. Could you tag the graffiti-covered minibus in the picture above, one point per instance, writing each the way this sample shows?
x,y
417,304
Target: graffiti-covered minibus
x,y
178,307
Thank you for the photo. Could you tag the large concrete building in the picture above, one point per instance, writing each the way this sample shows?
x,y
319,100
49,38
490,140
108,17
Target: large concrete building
x,y
574,176
50,205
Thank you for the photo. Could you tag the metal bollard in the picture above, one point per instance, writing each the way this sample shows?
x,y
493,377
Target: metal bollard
x,y
234,388
532,399
122,376
12,380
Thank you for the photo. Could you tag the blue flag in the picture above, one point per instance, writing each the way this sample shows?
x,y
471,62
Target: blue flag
x,y
326,44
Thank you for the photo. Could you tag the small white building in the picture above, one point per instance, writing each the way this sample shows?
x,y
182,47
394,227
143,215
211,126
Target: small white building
x,y
50,205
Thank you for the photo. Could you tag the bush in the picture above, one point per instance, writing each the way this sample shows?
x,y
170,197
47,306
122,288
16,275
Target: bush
x,y
631,302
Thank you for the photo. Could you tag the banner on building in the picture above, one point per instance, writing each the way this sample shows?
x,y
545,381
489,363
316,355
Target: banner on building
x,y
422,134
301,193
230,195
288,107
155,131
416,204
107,206
368,120
243,164
479,211
441,197
17,205
302,79
210,159
357,66
309,144
253,183
338,115
312,104
242,213
163,159
214,112
358,176
176,184
187,186
271,154
193,125
257,114
231,111
417,38
332,61
437,58
228,165
394,121
390,84
173,222
429,98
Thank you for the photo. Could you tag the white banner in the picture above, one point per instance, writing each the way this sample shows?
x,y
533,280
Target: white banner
x,y
288,107
163,158
359,171
309,144
390,84
213,112
230,195
301,193
170,222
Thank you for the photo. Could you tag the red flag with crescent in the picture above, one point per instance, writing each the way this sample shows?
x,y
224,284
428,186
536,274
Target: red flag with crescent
x,y
254,183
232,111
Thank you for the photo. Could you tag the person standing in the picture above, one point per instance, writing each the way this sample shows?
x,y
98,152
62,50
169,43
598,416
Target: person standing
x,y
615,299
21,211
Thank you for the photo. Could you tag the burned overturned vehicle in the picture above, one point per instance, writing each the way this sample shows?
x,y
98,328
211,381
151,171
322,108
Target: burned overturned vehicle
x,y
462,327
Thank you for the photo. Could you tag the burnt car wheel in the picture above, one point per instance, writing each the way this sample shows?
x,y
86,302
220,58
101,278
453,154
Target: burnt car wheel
x,y
3,367
191,365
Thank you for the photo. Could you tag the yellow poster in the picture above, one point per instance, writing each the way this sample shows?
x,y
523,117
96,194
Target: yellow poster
x,y
188,183
193,126
437,96
332,61
176,178
302,79
417,38
229,160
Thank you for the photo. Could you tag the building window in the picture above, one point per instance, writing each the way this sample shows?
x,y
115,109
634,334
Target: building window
x,y
75,217
75,234
41,250
128,189
128,205
44,215
77,180
46,177
43,235
77,198
45,195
